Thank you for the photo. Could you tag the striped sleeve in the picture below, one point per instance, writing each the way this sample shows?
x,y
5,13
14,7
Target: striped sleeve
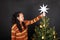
x,y
33,20
13,33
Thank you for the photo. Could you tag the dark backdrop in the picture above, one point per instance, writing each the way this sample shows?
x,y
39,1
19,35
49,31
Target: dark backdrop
x,y
30,10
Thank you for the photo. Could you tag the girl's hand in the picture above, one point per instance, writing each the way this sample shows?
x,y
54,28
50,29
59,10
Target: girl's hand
x,y
43,14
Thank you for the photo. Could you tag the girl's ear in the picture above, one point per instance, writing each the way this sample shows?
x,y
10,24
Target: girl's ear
x,y
18,18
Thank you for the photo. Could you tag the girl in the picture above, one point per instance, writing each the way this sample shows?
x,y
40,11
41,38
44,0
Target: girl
x,y
20,26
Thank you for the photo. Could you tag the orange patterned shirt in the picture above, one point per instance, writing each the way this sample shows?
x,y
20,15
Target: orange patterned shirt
x,y
17,35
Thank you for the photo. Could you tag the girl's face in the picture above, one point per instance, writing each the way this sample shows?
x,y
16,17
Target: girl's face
x,y
21,17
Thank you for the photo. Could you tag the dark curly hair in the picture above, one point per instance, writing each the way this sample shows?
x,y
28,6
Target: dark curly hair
x,y
16,21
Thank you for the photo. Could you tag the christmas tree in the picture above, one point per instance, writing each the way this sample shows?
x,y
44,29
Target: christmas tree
x,y
44,31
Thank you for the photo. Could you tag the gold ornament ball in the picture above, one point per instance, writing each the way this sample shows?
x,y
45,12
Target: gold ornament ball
x,y
54,36
53,32
44,25
41,26
42,37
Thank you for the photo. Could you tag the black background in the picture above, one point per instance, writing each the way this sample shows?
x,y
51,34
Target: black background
x,y
30,10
